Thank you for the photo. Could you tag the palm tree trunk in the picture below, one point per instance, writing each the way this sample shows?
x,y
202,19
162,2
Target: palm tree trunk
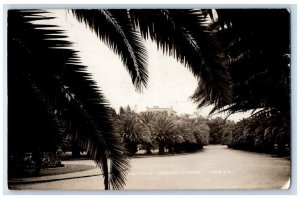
x,y
105,173
75,149
161,149
148,152
171,148
37,158
148,149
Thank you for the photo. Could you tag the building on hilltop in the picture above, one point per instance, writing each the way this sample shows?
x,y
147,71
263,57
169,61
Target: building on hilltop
x,y
169,111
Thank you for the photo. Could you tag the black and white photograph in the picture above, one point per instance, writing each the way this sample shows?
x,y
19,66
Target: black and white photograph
x,y
149,99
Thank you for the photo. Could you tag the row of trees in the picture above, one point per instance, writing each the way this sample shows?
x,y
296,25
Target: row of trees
x,y
160,130
264,133
267,132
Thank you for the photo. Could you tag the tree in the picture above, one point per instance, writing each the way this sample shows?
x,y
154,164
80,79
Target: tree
x,y
194,132
227,132
148,118
216,128
49,91
202,132
165,132
133,130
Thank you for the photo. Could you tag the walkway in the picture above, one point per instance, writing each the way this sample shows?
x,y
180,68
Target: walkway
x,y
216,167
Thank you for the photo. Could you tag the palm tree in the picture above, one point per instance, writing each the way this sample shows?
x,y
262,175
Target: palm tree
x,y
165,133
227,132
187,133
133,131
194,132
49,92
216,126
148,118
201,133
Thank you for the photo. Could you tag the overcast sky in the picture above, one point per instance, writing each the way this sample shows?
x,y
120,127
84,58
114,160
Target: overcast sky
x,y
170,83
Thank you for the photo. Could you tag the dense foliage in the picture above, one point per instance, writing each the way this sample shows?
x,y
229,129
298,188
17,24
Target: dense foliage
x,y
150,131
256,44
269,134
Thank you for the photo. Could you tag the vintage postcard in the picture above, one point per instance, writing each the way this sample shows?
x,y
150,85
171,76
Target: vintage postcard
x,y
149,99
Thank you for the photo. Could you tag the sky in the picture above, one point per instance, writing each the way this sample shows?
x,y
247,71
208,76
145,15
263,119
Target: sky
x,y
170,83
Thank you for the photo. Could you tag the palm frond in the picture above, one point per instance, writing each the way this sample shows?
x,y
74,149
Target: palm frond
x,y
133,129
184,35
35,51
256,43
114,27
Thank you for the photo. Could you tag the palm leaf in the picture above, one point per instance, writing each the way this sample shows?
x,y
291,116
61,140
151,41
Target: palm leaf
x,y
114,28
184,35
257,44
132,128
57,73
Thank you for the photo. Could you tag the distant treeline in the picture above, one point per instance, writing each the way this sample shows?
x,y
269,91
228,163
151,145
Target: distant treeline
x,y
267,133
